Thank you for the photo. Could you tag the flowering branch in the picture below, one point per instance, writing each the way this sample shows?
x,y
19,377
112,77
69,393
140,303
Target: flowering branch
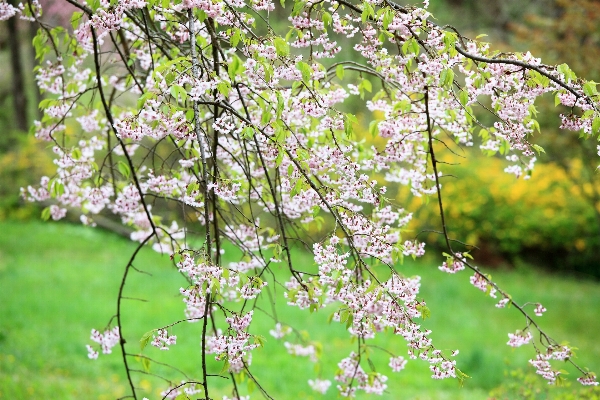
x,y
232,152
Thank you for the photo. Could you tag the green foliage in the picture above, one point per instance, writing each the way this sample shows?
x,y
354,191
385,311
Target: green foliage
x,y
526,385
545,219
22,157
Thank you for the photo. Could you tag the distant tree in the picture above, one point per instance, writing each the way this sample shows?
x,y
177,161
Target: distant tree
x,y
18,80
214,130
569,31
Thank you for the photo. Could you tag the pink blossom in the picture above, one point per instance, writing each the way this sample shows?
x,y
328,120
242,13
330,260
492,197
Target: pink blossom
x,y
279,331
588,380
162,340
7,11
319,385
519,338
539,310
482,284
106,340
397,363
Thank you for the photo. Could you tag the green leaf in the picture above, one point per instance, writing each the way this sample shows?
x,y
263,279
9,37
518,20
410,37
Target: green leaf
x,y
367,85
349,121
280,105
536,126
233,67
145,364
225,367
298,8
123,169
556,100
236,37
142,100
260,340
58,189
46,214
374,128
415,47
424,310
223,87
387,18
350,321
189,115
280,134
446,77
539,149
302,154
281,47
48,103
251,386
368,12
277,250
247,132
596,125
305,69
76,153
298,187
279,158
403,106
449,40
76,19
192,186
177,92
463,97
146,338
339,71
265,117
567,72
326,18
504,147
587,114
589,88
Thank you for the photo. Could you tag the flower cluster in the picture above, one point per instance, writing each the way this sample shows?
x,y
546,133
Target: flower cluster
x,y
234,349
350,372
519,338
302,351
319,385
481,283
453,264
397,364
279,331
107,340
162,340
414,249
542,366
588,380
539,310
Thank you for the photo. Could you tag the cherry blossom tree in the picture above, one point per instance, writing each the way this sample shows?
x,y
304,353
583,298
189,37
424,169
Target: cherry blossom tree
x,y
216,126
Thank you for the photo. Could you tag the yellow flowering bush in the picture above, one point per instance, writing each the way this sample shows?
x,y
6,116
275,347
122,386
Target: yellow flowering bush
x,y
544,219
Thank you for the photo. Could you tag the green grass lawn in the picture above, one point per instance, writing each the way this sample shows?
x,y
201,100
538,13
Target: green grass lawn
x,y
59,281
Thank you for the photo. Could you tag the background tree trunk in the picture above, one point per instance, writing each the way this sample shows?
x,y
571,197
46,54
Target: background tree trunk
x,y
18,82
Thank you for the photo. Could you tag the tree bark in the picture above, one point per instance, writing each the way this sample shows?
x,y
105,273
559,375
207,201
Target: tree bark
x,y
18,82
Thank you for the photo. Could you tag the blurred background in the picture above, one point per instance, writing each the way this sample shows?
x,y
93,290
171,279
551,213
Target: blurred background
x,y
539,234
